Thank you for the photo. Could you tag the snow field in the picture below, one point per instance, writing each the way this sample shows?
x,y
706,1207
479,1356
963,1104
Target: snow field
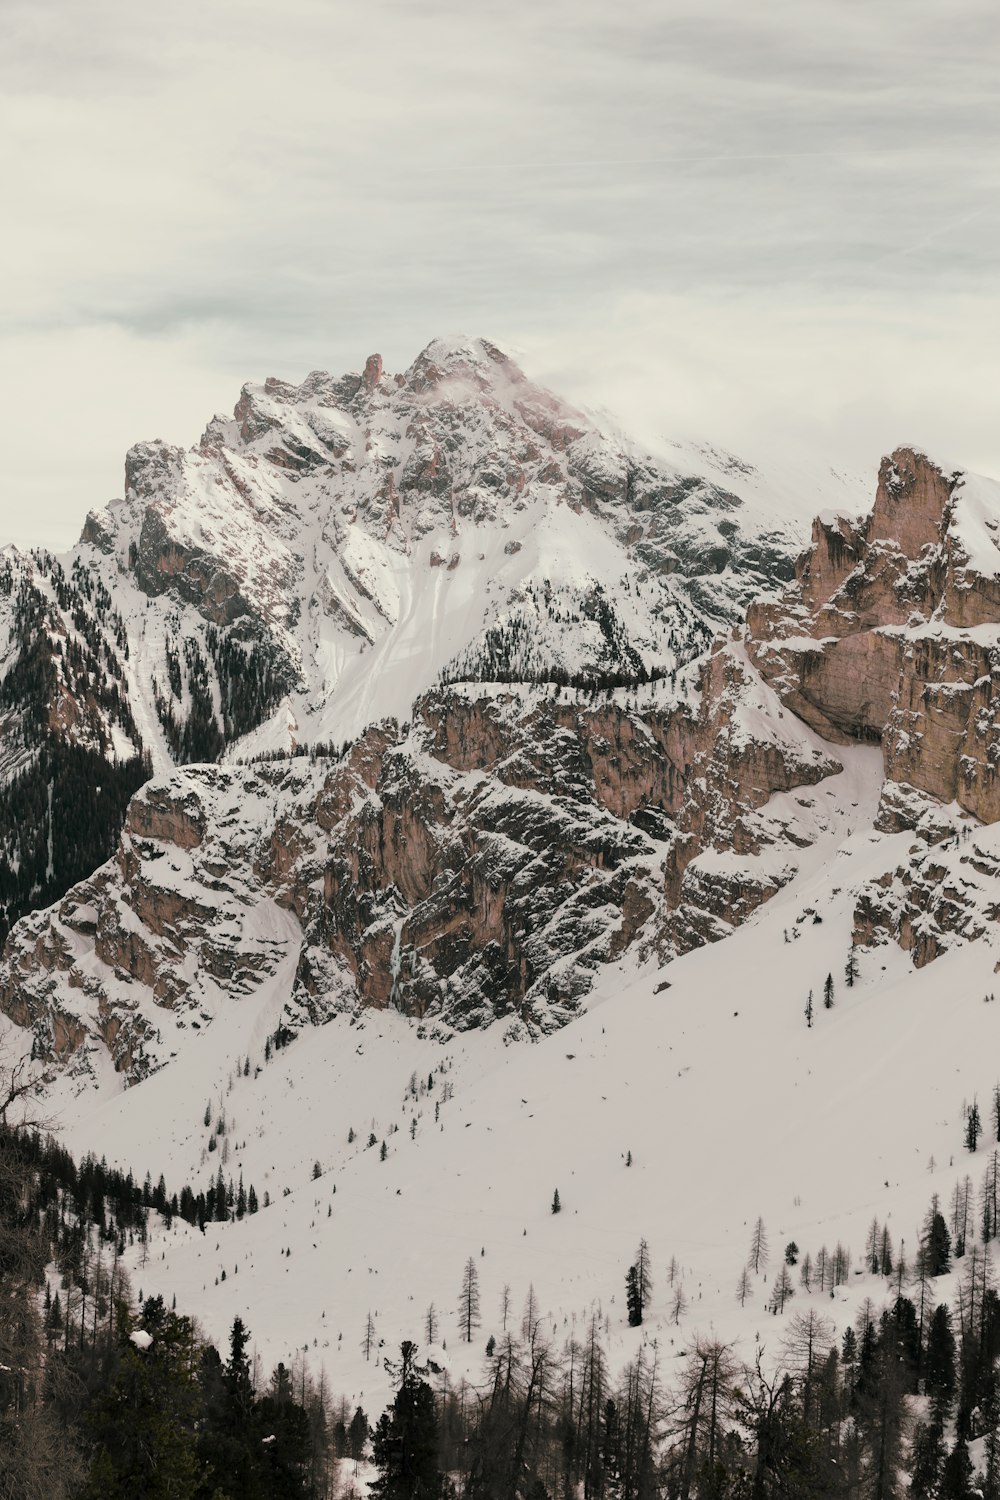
x,y
705,1071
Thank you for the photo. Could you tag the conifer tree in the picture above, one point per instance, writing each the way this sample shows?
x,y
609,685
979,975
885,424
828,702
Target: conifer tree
x,y
405,1442
973,1127
638,1285
937,1241
468,1305
632,1303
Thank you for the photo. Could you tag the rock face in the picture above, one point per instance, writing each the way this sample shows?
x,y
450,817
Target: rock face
x,y
479,863
891,633
329,552
600,764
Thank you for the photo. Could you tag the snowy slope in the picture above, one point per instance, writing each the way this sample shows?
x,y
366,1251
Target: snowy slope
x,y
730,1105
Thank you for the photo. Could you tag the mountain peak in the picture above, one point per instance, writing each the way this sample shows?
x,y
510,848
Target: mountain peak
x,y
459,357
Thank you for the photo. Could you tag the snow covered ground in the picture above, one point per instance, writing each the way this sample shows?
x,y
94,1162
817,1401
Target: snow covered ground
x,y
705,1071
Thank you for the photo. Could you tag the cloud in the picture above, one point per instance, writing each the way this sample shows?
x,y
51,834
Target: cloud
x,y
216,191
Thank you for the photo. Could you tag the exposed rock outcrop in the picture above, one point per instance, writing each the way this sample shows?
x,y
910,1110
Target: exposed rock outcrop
x,y
477,864
891,632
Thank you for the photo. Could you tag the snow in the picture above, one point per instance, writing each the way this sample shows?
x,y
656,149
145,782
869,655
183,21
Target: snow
x,y
975,521
704,1071
141,1339
341,572
730,1106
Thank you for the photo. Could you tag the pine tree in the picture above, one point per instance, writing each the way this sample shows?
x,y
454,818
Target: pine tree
x,y
556,1205
633,1305
357,1435
809,1009
926,1460
973,1127
828,992
937,1241
405,1442
638,1285
956,1476
153,1451
939,1362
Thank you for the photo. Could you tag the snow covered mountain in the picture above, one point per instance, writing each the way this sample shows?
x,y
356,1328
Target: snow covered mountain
x,y
577,793
333,550
483,859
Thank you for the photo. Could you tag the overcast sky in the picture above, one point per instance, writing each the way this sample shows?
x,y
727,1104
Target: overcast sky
x,y
756,223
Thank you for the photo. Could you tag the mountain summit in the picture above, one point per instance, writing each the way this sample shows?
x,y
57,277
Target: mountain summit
x,y
327,553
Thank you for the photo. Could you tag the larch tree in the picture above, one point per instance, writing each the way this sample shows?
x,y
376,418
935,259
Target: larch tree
x,y
851,967
757,1259
468,1305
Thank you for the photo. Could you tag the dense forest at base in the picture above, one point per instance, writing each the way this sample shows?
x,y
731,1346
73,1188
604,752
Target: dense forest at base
x,y
107,1394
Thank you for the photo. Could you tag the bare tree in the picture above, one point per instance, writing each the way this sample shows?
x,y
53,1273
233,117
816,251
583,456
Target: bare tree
x,y
468,1305
699,1414
805,1347
368,1338
757,1259
678,1303
782,1289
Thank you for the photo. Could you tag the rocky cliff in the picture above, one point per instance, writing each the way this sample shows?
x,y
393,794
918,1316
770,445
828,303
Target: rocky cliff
x,y
332,550
478,863
591,775
891,632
